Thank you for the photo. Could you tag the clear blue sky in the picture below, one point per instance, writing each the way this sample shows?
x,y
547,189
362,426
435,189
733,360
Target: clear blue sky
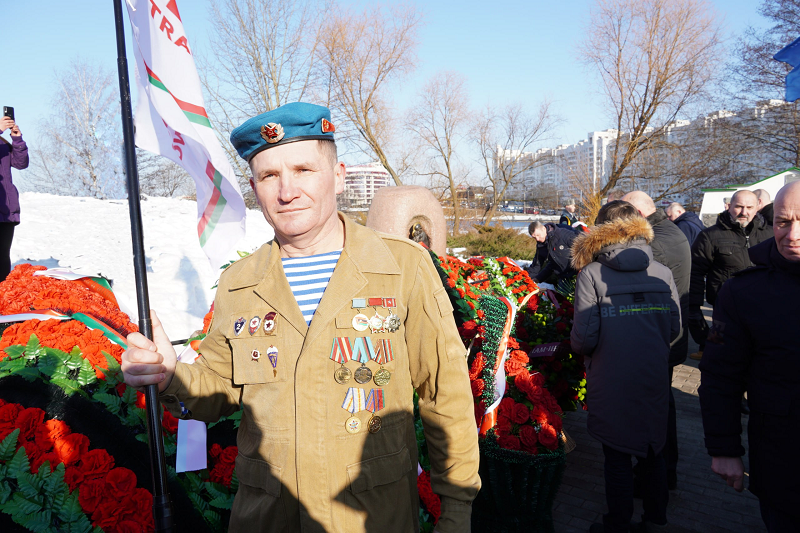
x,y
514,50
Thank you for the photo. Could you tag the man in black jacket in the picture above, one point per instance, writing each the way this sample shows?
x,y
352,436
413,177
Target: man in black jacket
x,y
765,205
754,345
687,221
671,249
719,252
568,215
557,242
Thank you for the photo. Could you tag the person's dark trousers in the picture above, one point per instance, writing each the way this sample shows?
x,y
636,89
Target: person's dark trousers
x,y
778,520
671,447
6,236
619,489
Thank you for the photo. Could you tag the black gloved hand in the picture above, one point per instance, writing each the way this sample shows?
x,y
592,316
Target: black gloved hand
x,y
698,327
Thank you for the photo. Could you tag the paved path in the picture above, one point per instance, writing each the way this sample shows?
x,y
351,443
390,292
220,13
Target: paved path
x,y
702,502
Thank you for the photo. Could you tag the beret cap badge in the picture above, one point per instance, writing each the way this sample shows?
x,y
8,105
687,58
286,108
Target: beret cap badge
x,y
272,132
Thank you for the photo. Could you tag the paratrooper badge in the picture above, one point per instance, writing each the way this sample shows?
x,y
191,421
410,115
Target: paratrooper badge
x,y
327,126
272,132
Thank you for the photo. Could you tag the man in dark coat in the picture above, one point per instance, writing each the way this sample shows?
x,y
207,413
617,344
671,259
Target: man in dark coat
x,y
671,249
626,314
557,242
765,205
754,346
718,253
687,221
541,250
568,216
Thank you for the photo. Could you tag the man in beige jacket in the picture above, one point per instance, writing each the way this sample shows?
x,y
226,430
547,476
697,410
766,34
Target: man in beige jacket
x,y
324,364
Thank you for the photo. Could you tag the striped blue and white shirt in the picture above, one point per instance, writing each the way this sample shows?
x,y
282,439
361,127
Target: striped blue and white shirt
x,y
308,277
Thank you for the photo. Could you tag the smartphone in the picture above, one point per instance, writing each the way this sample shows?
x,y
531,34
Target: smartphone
x,y
8,111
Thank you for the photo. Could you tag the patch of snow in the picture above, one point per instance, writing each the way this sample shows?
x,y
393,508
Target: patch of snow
x,y
93,237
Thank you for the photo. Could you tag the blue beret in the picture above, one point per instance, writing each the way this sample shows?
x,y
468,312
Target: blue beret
x,y
297,121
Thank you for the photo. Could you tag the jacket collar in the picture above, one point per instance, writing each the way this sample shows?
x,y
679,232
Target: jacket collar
x,y
725,221
364,252
622,230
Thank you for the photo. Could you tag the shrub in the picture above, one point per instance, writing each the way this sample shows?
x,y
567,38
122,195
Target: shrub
x,y
493,241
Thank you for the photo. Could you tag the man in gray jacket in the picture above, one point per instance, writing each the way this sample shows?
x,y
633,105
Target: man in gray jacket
x,y
626,314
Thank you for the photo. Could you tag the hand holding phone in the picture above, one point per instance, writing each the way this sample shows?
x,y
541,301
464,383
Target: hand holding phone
x,y
8,111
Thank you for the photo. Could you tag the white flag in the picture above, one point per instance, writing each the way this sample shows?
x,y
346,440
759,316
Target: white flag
x,y
171,120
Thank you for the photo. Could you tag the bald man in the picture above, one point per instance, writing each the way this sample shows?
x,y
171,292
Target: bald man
x,y
671,249
765,205
759,352
719,252
687,221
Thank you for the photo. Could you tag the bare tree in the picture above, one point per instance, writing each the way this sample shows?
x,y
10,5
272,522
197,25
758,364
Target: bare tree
x,y
81,152
158,176
363,53
654,58
440,116
757,84
505,138
263,55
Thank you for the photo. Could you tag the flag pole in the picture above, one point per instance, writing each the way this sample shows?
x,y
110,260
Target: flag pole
x,y
162,508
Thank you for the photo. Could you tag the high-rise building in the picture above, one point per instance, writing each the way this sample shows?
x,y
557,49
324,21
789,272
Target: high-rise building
x,y
360,184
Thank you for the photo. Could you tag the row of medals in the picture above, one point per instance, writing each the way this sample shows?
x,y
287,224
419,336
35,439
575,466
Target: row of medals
x,y
362,375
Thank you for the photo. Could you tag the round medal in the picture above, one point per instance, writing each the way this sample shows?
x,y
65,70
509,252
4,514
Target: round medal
x,y
392,322
353,424
382,377
376,323
342,375
360,322
363,374
374,424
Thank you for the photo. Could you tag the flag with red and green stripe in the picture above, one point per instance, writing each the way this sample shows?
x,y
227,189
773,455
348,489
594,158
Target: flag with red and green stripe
x,y
171,120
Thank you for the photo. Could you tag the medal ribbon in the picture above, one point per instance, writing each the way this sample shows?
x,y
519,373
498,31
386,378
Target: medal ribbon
x,y
384,353
363,350
355,400
375,400
341,352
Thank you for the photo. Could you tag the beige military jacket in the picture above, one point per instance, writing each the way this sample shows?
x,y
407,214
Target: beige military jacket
x,y
299,469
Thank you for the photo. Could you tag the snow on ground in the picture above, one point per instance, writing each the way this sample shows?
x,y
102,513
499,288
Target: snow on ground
x,y
93,237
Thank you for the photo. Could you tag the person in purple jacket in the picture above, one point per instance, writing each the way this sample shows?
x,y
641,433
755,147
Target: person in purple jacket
x,y
12,154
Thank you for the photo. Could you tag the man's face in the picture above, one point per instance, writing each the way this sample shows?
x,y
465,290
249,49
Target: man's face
x,y
743,208
787,225
296,186
570,208
540,234
673,214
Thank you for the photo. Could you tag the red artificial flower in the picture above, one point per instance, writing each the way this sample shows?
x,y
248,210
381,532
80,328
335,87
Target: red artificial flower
x,y
479,411
509,442
49,432
523,382
207,320
28,421
539,415
215,450
555,420
514,366
228,455
71,448
96,464
536,394
477,387
529,439
169,423
502,425
520,413
73,477
477,365
430,501
120,482
90,493
548,436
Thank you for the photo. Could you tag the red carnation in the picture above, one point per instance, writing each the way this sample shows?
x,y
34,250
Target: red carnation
x,y
477,365
509,442
522,382
49,432
96,464
479,410
28,421
555,420
430,501
90,493
514,366
108,513
529,439
535,394
71,448
537,379
506,406
169,423
73,477
539,415
548,436
560,327
215,450
502,426
477,387
141,403
520,413
228,455
557,366
120,481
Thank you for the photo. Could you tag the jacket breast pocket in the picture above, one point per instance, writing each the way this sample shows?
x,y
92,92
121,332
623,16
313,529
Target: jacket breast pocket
x,y
379,494
258,360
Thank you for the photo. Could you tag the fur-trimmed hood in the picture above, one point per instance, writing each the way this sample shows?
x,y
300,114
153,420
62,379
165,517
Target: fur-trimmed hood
x,y
588,246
